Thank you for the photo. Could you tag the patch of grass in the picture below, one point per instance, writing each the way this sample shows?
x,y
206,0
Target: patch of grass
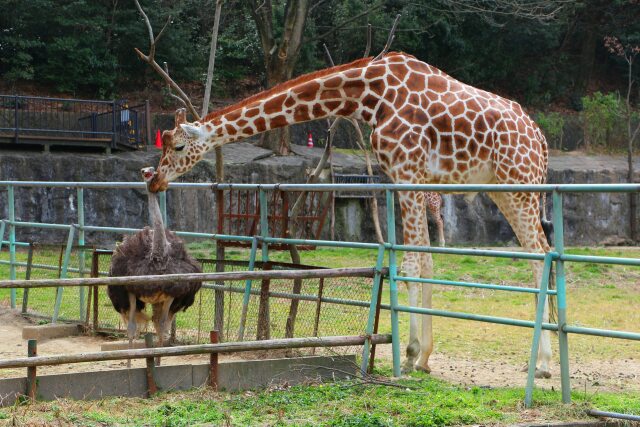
x,y
419,401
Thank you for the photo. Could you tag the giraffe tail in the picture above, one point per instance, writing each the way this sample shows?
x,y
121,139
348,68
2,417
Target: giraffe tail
x,y
547,228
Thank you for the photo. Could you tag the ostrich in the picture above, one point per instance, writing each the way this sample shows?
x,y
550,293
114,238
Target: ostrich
x,y
152,251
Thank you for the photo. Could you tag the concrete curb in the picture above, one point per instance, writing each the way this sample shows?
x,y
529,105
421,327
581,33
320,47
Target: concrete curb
x,y
50,331
232,376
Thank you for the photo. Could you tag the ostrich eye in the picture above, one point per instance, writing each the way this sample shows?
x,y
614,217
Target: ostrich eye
x,y
180,147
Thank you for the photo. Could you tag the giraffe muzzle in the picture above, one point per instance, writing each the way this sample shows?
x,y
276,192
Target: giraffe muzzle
x,y
158,183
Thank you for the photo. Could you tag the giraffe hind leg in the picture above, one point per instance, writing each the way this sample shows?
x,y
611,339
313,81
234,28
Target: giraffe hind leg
x,y
521,211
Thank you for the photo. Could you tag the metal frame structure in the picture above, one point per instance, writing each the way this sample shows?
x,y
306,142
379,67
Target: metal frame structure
x,y
557,257
74,122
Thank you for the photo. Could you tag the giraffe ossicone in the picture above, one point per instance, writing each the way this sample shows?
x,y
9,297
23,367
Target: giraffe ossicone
x,y
427,127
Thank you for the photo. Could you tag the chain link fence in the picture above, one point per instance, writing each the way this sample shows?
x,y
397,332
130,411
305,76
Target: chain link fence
x,y
273,311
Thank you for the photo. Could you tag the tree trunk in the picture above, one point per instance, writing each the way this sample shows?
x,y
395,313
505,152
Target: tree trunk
x,y
280,54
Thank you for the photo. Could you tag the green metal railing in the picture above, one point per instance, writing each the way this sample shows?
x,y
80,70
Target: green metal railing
x,y
557,257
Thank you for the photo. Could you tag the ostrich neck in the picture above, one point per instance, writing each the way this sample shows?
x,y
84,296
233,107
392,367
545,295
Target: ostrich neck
x,y
160,245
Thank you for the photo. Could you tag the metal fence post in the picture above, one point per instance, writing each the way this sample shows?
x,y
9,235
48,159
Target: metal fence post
x,y
113,124
247,289
537,329
563,341
15,119
81,266
2,227
12,241
63,273
147,117
375,290
393,285
163,207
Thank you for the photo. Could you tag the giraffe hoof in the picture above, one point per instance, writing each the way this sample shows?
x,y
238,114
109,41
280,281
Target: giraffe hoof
x,y
542,374
407,368
425,369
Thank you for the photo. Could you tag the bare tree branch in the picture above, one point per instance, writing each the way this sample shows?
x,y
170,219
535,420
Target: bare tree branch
x,y
348,21
150,59
369,37
389,39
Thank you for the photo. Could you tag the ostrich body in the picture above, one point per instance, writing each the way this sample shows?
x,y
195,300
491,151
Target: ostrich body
x,y
152,251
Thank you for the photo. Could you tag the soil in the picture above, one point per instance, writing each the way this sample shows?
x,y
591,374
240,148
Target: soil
x,y
607,375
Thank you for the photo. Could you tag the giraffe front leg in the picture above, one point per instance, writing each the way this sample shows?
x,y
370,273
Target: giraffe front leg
x,y
413,348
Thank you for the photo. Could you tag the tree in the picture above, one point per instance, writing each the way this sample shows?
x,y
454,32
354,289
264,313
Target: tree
x,y
628,53
281,48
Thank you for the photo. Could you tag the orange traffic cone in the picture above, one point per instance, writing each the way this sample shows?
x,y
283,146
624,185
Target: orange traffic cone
x,y
158,139
310,141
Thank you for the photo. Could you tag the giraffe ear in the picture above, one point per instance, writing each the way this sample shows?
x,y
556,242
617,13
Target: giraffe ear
x,y
191,131
180,116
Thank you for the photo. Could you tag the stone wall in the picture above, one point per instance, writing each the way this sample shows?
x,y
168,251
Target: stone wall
x,y
590,219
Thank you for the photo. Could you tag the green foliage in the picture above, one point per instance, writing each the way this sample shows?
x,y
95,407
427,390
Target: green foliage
x,y
359,420
601,113
552,125
85,47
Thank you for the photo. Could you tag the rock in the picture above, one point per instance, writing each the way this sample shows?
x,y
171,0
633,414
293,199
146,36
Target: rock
x,y
590,219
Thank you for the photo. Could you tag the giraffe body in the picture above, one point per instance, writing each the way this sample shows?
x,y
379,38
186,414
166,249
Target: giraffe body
x,y
427,127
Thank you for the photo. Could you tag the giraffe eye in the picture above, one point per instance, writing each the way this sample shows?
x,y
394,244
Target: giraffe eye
x,y
180,147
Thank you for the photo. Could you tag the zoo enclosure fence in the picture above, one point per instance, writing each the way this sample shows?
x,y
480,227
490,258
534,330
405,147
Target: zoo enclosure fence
x,y
557,257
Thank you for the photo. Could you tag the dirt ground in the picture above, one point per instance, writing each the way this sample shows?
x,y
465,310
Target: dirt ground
x,y
606,375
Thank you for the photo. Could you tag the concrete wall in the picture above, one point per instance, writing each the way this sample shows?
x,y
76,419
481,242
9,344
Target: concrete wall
x,y
590,218
233,376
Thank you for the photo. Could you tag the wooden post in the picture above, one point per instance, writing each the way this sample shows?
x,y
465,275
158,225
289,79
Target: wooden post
x,y
25,292
151,367
32,351
218,321
264,323
316,323
372,356
95,272
213,362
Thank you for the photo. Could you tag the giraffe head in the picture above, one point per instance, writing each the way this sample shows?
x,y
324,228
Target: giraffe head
x,y
182,148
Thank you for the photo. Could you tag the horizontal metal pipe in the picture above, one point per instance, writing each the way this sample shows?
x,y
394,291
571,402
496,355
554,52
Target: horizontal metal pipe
x,y
68,100
600,259
473,252
601,332
627,417
44,266
21,244
447,188
40,225
474,285
231,347
476,317
232,275
330,243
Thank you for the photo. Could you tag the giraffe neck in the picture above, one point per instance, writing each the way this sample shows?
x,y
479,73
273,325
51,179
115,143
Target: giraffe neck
x,y
159,246
340,94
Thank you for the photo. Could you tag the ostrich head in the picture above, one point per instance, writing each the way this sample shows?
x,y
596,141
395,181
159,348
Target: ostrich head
x,y
148,174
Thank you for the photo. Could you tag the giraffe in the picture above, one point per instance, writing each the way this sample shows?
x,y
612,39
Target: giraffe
x,y
434,207
427,127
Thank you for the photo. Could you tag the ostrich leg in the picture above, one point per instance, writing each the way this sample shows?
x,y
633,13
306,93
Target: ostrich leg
x,y
162,324
132,325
